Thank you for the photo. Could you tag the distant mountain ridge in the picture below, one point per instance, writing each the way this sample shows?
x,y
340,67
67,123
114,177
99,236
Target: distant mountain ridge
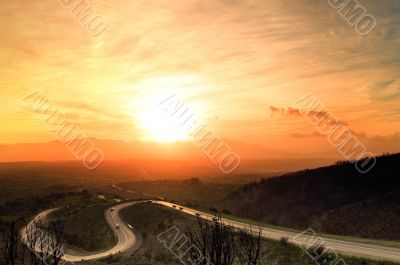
x,y
254,158
119,150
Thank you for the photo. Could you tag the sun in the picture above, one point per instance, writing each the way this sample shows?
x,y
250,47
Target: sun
x,y
152,121
157,126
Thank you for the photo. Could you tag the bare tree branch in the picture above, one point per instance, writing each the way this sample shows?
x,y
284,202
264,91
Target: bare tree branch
x,y
10,239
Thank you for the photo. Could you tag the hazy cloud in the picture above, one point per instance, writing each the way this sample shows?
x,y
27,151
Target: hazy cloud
x,y
240,57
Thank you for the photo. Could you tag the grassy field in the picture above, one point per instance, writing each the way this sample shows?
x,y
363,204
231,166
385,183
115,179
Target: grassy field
x,y
25,208
150,218
148,221
86,229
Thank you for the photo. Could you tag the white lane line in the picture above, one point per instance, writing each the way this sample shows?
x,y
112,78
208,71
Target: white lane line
x,y
121,228
115,224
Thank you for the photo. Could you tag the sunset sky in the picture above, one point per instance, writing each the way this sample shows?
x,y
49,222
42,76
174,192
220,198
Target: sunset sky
x,y
232,62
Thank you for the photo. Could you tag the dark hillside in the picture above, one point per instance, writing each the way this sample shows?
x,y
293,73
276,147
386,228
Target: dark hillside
x,y
335,199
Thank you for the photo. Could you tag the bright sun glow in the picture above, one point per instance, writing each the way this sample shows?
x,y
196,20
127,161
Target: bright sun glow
x,y
154,123
158,126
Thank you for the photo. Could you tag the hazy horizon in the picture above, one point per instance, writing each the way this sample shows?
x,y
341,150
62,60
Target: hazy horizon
x,y
240,67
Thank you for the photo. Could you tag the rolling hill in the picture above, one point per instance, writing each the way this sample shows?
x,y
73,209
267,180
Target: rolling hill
x,y
335,199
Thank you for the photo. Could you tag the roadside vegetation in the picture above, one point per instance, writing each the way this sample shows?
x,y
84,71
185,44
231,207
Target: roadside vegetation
x,y
86,229
234,247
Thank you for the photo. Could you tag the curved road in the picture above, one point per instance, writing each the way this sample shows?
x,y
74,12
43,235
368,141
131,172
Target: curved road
x,y
126,239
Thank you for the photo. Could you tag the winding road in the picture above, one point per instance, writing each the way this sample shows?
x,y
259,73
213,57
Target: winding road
x,y
126,239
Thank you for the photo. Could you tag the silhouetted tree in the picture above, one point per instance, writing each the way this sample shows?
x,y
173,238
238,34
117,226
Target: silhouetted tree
x,y
10,238
32,240
214,240
195,182
56,233
317,254
249,246
148,254
284,242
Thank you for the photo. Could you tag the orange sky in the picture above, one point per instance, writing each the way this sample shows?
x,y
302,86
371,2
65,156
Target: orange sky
x,y
230,61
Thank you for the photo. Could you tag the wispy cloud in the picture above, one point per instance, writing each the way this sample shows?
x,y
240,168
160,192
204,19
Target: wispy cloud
x,y
248,56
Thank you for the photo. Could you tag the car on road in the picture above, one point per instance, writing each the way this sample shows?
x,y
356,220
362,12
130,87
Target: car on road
x,y
198,214
149,201
181,208
112,210
117,226
173,206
